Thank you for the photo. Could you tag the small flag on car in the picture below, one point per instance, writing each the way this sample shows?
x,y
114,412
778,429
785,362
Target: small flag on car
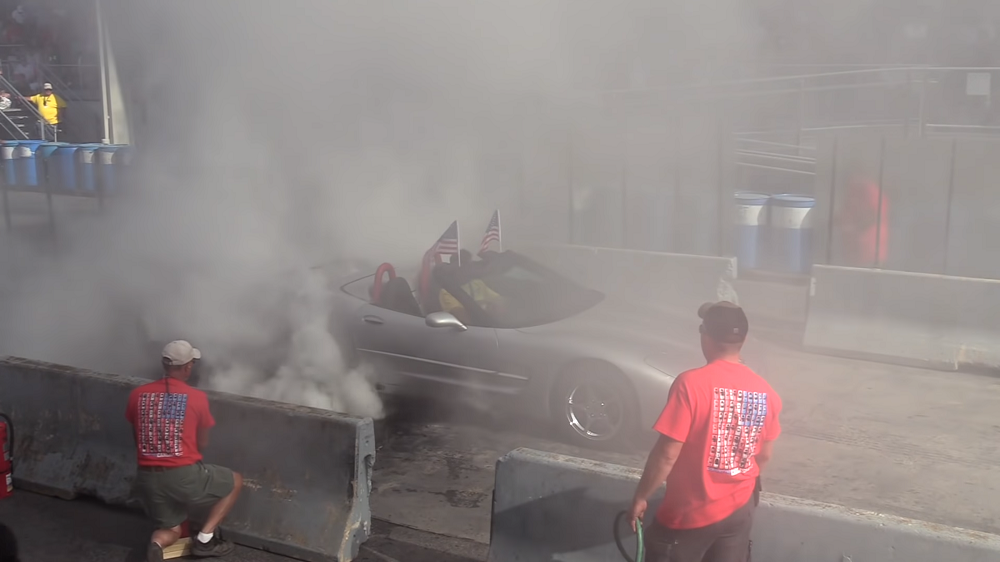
x,y
447,244
492,233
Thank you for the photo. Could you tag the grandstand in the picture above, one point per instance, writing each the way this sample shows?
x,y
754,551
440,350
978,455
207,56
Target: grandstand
x,y
50,41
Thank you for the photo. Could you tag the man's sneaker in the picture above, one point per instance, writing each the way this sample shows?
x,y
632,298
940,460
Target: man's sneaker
x,y
154,553
218,546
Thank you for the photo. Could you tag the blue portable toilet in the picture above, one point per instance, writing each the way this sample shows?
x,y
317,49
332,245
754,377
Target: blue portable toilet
x,y
107,156
25,164
65,167
791,232
85,174
7,157
46,163
751,219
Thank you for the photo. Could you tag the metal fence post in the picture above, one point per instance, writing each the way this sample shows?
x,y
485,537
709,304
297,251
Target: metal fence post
x,y
831,217
625,243
906,106
878,218
800,118
923,102
569,186
947,216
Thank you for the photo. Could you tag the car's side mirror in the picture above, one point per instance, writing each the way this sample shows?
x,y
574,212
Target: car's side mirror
x,y
444,320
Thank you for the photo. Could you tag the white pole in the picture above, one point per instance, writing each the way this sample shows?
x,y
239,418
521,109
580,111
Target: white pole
x,y
102,40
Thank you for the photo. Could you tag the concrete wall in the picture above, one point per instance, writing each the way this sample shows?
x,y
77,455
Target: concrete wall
x,y
911,318
550,507
938,195
676,282
621,173
307,472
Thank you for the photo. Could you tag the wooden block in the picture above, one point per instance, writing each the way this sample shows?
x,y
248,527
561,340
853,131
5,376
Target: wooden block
x,y
180,548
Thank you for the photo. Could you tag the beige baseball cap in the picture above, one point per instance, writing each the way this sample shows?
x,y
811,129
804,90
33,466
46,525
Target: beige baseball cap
x,y
180,352
46,86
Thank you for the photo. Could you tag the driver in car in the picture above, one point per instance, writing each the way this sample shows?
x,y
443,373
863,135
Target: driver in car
x,y
485,297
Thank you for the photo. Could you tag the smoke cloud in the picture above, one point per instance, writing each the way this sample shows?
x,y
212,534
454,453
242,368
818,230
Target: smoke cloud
x,y
279,136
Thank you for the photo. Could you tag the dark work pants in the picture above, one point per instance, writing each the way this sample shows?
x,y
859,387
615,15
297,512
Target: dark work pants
x,y
725,541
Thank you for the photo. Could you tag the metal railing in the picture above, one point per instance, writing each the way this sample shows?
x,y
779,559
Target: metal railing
x,y
50,131
51,74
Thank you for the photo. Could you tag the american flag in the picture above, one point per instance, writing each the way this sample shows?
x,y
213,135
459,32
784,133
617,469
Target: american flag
x,y
492,233
446,245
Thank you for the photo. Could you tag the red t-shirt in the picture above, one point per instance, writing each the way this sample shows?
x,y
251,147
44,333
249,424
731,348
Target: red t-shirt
x,y
166,425
721,412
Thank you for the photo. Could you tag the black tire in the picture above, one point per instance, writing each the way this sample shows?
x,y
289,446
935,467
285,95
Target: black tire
x,y
608,416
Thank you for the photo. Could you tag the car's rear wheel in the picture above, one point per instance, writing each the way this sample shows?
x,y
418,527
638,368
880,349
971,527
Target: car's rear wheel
x,y
594,406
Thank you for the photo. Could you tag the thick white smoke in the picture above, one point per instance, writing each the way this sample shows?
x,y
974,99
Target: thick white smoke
x,y
279,136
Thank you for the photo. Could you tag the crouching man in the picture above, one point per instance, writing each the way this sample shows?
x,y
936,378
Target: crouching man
x,y
171,422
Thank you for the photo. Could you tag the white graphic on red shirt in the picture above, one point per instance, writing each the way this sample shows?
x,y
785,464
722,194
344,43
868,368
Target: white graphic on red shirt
x,y
737,422
161,424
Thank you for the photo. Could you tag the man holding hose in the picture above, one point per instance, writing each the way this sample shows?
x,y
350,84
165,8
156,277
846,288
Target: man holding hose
x,y
716,435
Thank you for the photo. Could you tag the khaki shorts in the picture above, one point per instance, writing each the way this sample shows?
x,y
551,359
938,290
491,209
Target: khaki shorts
x,y
167,494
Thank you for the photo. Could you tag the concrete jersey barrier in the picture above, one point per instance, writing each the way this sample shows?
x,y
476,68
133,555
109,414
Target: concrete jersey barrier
x,y
307,472
918,319
678,282
549,507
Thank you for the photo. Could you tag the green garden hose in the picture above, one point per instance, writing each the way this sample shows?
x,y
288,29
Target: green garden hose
x,y
640,547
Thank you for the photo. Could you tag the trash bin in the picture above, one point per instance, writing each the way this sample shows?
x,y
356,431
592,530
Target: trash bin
x,y
46,164
25,164
65,167
751,218
7,148
86,179
107,156
791,232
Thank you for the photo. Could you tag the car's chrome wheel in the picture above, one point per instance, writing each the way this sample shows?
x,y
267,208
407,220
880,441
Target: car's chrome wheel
x,y
595,411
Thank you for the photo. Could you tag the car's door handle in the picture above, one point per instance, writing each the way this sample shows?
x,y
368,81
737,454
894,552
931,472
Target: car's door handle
x,y
373,319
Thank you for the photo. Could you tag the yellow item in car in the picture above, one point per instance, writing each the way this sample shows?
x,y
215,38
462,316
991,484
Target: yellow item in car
x,y
476,289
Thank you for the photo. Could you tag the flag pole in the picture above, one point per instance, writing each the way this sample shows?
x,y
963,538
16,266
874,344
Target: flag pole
x,y
458,239
499,232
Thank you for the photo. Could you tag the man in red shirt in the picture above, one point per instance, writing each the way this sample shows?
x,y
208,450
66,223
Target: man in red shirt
x,y
171,422
716,434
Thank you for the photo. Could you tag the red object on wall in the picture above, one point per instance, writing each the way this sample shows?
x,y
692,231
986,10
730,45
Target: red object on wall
x,y
6,457
862,225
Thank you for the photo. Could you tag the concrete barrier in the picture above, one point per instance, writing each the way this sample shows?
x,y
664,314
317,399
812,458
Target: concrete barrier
x,y
918,319
678,282
549,507
307,472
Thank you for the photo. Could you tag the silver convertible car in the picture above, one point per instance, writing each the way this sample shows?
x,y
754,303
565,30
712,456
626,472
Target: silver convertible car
x,y
547,346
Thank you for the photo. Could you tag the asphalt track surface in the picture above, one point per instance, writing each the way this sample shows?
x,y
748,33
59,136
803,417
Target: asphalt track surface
x,y
910,442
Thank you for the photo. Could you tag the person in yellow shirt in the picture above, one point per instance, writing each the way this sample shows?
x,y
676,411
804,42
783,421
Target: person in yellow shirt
x,y
485,297
480,292
52,109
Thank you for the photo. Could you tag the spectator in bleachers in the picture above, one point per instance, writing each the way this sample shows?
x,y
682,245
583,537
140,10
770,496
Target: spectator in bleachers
x,y
5,100
52,109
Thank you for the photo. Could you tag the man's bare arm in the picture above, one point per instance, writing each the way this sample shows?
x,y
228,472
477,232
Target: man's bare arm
x,y
658,466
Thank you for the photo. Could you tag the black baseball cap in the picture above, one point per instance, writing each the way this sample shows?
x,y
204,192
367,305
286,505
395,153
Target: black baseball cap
x,y
724,321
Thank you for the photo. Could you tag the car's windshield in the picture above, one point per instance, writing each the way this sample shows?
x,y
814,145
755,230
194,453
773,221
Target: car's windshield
x,y
532,294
